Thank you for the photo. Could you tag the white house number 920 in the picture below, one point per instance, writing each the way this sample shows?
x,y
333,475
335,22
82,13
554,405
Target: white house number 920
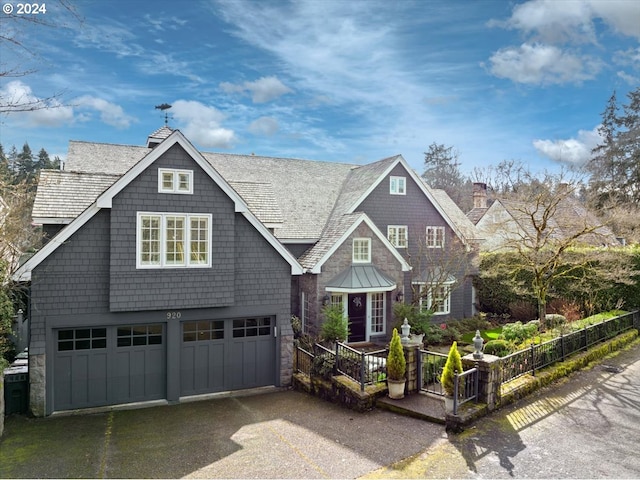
x,y
173,315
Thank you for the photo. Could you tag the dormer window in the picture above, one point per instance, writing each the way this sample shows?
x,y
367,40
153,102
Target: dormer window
x,y
397,185
171,180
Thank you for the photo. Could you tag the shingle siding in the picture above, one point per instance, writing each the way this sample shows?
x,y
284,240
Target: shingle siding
x,y
147,289
416,212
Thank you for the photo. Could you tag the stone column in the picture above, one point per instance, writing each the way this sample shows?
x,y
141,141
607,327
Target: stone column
x,y
489,381
411,356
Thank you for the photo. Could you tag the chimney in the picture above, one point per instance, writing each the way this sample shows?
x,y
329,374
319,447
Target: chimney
x,y
479,195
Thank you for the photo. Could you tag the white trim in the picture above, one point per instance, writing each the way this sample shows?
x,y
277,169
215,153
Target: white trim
x,y
406,235
105,200
361,290
175,172
52,220
436,229
398,182
362,218
429,298
370,331
413,175
187,240
363,240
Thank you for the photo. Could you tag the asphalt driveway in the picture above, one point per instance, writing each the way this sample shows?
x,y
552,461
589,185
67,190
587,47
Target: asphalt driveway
x,y
283,434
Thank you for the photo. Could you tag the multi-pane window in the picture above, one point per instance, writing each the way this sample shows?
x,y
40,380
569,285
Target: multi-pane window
x,y
203,330
361,250
435,237
82,339
171,180
171,240
252,327
336,300
135,335
436,298
377,312
440,300
397,235
397,185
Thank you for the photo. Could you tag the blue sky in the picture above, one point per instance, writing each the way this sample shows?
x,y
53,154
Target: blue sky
x,y
352,81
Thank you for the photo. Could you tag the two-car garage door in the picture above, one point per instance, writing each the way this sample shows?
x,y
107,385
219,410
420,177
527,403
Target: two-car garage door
x,y
109,365
123,364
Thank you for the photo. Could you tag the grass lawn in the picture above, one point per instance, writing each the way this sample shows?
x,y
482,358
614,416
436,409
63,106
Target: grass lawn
x,y
487,335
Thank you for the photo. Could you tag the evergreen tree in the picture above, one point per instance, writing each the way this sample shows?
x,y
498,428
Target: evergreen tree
x,y
25,167
442,171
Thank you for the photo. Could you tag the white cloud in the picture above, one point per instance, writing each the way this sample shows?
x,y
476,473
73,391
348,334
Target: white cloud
x,y
264,126
576,151
542,64
573,20
262,90
45,112
202,124
110,113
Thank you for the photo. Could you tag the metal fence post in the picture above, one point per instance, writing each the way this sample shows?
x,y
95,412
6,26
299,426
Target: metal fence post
x,y
362,370
419,369
562,344
533,359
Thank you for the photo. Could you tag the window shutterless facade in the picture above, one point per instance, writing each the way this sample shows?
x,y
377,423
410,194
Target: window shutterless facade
x,y
170,240
361,250
397,235
171,180
435,237
436,298
397,185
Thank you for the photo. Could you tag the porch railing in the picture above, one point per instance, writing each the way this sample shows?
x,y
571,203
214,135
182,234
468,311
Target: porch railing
x,y
365,368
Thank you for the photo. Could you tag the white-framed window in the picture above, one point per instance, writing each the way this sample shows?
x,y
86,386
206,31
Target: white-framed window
x,y
397,185
172,180
435,237
361,250
172,240
437,299
378,313
337,300
397,235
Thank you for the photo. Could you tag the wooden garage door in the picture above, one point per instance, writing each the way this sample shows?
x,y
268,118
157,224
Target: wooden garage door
x,y
108,365
221,355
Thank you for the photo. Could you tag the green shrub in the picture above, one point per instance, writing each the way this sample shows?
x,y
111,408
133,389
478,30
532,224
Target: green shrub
x,y
499,348
420,320
323,365
453,365
554,320
335,327
518,332
396,363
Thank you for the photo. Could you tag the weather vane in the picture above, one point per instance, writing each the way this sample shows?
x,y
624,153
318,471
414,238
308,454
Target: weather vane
x,y
163,107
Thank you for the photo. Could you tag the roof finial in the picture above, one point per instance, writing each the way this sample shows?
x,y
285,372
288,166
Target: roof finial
x,y
163,107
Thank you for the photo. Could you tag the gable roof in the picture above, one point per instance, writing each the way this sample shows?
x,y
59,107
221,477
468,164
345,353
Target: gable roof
x,y
306,190
335,234
104,200
62,196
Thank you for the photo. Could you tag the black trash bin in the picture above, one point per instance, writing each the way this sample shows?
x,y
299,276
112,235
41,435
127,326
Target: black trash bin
x,y
16,390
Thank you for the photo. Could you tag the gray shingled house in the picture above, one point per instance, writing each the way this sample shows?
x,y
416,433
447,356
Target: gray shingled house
x,y
168,273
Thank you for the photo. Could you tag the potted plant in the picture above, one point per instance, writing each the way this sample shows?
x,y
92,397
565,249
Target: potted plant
x,y
396,367
447,379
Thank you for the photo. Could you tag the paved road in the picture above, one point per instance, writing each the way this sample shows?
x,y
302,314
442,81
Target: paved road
x,y
589,426
586,427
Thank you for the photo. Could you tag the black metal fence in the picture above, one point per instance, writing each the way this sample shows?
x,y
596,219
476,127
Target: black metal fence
x,y
558,349
365,368
430,365
465,388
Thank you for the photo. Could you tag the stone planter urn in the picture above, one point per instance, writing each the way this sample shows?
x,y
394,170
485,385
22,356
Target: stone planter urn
x,y
448,404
